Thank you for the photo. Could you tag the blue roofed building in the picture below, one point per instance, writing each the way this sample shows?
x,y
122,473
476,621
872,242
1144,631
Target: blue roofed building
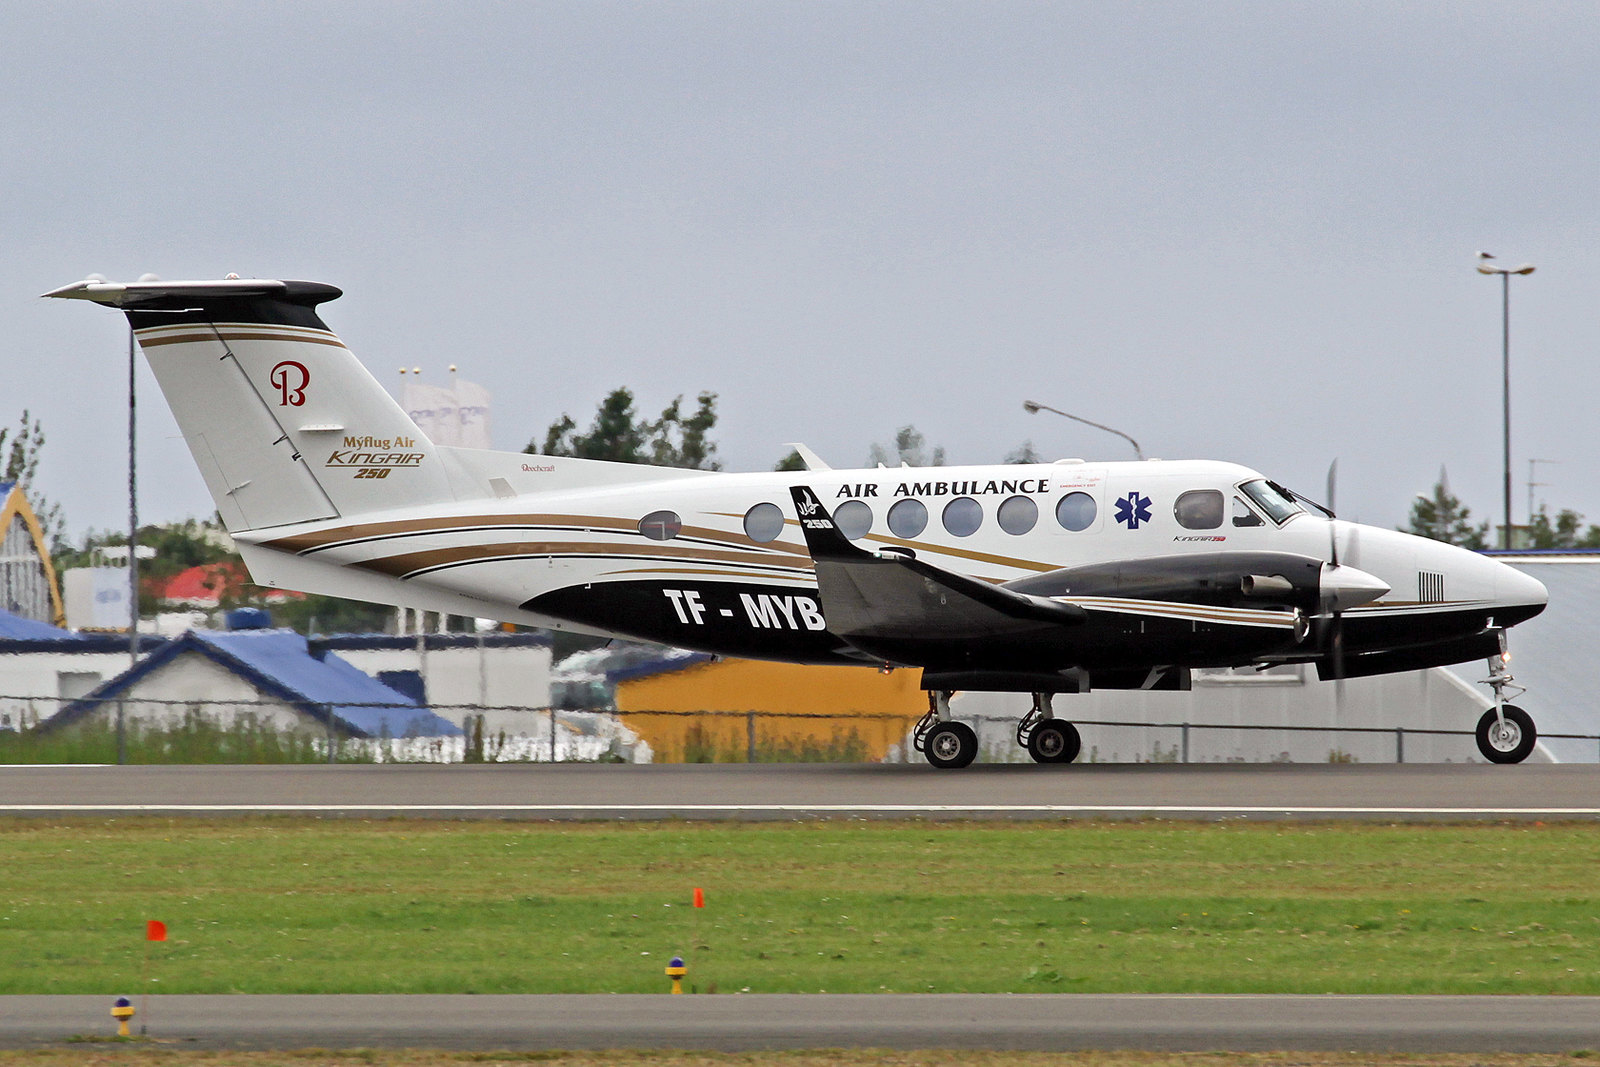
x,y
267,677
15,629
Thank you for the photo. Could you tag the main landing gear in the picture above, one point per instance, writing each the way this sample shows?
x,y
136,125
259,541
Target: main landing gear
x,y
1506,733
1047,738
945,742
951,744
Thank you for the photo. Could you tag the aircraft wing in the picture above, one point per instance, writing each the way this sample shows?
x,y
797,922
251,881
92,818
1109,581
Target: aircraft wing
x,y
892,594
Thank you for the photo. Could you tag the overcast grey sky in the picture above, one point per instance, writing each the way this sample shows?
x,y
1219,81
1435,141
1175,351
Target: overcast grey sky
x,y
1235,230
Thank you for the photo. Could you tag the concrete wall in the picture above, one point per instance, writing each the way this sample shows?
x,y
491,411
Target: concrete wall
x,y
33,685
459,677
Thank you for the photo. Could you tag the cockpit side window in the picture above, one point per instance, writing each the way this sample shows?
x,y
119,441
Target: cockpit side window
x,y
1199,509
1243,515
1264,495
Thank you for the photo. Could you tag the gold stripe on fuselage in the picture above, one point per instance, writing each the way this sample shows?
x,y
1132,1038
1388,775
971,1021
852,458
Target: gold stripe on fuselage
x,y
804,577
343,536
1195,612
407,564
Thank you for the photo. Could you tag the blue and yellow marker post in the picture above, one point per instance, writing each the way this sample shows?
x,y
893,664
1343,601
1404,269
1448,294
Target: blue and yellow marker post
x,y
122,1011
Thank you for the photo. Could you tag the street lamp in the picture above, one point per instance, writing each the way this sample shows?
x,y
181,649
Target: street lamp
x,y
1485,267
1033,408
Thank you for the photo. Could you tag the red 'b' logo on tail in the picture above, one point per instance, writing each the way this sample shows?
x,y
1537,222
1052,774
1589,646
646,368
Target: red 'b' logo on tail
x,y
290,379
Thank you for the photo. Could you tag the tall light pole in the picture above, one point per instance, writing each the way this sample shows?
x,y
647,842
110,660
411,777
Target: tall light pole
x,y
1033,408
133,510
1485,267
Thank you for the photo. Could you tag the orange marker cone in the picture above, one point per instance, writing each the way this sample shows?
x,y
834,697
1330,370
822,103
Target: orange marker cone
x,y
699,898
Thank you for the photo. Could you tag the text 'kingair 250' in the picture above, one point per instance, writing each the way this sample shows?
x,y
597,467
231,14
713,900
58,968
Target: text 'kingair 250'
x,y
1042,579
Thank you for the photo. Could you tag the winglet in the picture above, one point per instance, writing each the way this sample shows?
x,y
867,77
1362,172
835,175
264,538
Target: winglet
x,y
822,536
812,461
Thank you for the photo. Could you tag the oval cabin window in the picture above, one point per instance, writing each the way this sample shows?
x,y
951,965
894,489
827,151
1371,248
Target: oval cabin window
x,y
1018,515
962,516
908,518
853,518
661,525
763,523
1076,512
1199,509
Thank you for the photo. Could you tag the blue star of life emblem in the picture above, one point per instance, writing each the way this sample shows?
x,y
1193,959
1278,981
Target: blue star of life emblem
x,y
1132,510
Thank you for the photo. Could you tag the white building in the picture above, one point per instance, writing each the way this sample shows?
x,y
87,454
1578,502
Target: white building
x,y
42,668
1284,715
1554,654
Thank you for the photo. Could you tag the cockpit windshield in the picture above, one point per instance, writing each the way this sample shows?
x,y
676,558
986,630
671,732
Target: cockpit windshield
x,y
1278,504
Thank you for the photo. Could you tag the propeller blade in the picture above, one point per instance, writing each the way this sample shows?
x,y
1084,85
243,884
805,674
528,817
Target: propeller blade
x,y
1348,587
1333,534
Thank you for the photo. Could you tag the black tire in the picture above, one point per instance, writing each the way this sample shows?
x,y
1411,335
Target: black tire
x,y
1511,743
1054,741
950,745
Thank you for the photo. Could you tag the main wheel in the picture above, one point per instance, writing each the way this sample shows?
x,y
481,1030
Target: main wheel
x,y
1510,742
950,744
1054,741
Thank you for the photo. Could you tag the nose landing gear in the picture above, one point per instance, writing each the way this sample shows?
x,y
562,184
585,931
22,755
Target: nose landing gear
x,y
1506,733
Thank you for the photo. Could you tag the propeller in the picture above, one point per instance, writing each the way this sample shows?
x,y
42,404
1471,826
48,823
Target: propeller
x,y
1336,625
1333,537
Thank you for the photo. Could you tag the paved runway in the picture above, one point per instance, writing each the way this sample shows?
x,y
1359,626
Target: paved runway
x,y
757,791
735,1023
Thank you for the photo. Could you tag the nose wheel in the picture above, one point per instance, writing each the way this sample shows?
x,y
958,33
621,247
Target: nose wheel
x,y
1506,734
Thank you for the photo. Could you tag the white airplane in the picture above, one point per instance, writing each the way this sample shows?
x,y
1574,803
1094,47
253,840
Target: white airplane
x,y
1043,579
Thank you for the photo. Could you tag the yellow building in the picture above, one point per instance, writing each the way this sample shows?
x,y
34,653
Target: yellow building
x,y
702,709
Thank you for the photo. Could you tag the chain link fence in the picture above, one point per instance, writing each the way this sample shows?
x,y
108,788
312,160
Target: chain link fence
x,y
146,730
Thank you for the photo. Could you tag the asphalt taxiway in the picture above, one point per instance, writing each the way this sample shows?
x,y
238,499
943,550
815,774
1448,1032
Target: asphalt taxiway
x,y
738,1023
777,791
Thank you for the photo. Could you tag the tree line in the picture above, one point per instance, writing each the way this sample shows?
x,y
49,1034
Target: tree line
x,y
1440,515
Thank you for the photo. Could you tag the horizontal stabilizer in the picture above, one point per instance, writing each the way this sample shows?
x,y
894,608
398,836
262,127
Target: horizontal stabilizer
x,y
157,295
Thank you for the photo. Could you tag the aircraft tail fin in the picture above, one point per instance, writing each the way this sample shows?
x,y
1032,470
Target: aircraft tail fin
x,y
284,422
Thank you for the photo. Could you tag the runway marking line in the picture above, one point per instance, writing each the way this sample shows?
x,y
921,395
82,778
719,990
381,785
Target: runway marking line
x,y
897,809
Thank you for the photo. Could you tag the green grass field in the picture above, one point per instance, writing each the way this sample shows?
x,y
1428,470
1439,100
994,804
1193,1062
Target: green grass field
x,y
308,906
